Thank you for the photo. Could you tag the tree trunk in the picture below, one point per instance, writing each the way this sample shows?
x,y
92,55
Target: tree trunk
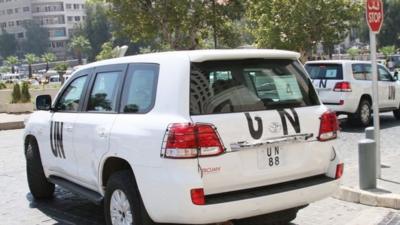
x,y
79,54
12,69
30,71
47,66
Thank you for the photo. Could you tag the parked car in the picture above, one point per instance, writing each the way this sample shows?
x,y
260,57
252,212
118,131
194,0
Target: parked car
x,y
222,134
345,86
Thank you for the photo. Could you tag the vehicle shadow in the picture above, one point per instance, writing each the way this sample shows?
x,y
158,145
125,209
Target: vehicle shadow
x,y
386,121
67,208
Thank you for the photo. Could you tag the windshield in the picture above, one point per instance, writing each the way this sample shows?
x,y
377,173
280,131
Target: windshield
x,y
249,85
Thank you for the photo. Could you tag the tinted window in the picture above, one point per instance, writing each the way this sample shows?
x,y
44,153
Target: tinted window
x,y
70,99
140,88
362,71
248,85
104,92
384,75
325,71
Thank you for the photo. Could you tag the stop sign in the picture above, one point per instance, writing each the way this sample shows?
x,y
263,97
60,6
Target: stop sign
x,y
374,13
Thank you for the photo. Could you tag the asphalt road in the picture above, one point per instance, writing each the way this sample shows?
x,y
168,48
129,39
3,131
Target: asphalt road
x,y
18,207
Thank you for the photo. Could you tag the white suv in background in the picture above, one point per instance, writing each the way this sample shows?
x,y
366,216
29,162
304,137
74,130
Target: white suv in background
x,y
345,86
191,137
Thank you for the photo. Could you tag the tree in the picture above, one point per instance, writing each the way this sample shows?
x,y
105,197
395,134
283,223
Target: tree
x,y
8,44
31,59
80,45
353,52
12,61
37,38
387,51
177,24
390,32
25,95
47,58
106,51
300,25
61,69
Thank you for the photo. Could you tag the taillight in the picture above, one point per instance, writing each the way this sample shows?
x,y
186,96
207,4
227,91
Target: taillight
x,y
197,196
329,126
186,140
342,87
339,170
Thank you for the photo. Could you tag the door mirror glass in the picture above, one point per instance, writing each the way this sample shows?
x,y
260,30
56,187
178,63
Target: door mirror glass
x,y
43,102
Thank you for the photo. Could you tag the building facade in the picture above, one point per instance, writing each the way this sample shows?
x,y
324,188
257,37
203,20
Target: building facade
x,y
59,17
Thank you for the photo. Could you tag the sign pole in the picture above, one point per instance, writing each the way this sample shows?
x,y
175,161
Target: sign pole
x,y
375,101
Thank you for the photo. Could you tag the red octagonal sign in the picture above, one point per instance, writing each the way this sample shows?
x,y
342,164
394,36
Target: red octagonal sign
x,y
374,13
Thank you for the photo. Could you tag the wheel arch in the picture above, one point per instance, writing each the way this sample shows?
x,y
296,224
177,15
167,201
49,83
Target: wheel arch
x,y
366,97
111,165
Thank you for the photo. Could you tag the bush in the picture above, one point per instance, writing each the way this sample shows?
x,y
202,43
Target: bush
x,y
25,95
16,94
2,85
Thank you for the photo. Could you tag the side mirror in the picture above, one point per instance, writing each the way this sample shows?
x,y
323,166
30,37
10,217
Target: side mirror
x,y
43,102
396,75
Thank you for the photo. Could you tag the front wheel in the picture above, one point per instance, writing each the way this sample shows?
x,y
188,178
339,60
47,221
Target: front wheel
x,y
122,204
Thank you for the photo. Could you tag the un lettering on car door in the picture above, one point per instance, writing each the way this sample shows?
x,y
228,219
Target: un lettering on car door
x,y
56,139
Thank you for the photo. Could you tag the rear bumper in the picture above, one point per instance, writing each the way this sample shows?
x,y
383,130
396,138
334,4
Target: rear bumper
x,y
172,202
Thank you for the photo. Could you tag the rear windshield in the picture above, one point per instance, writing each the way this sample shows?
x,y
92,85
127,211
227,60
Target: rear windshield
x,y
325,71
248,85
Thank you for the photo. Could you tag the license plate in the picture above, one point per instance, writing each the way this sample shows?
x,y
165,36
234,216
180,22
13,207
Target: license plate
x,y
269,157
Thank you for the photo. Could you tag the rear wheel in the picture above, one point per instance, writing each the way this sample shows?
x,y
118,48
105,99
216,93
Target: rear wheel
x,y
38,184
123,205
277,218
363,115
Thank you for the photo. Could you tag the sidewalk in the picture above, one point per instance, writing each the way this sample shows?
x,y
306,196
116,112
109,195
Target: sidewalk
x,y
387,193
12,121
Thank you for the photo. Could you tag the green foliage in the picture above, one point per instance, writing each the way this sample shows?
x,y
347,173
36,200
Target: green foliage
x,y
390,32
353,52
8,44
11,61
37,38
61,68
388,51
106,51
2,85
47,58
80,45
25,95
300,25
31,59
16,94
5,69
178,24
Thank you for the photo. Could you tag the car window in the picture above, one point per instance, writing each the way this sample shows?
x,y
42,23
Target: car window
x,y
384,75
325,71
362,71
71,97
103,95
140,88
248,85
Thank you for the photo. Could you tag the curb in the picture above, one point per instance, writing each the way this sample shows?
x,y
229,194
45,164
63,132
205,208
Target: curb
x,y
12,125
371,197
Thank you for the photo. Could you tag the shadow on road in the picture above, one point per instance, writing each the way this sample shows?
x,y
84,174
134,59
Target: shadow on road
x,y
386,121
67,208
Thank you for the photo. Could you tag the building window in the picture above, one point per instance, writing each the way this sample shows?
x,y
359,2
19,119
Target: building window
x,y
69,18
83,6
3,25
18,22
76,6
77,18
20,35
9,11
26,9
16,10
68,6
11,23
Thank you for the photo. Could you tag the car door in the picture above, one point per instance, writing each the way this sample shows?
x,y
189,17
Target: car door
x,y
65,112
93,125
387,86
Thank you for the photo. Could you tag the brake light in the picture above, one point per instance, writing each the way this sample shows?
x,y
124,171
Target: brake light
x,y
186,140
339,170
197,196
329,126
342,87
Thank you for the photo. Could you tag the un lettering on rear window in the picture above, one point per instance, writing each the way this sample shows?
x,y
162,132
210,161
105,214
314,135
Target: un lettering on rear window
x,y
248,85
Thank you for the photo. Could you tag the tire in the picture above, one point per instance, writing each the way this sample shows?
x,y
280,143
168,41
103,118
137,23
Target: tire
x,y
363,115
277,218
396,114
38,184
121,185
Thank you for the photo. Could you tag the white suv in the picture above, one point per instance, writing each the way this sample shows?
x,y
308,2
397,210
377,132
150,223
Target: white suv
x,y
190,137
345,86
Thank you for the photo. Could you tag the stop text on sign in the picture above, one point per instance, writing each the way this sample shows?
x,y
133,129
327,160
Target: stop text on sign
x,y
374,14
